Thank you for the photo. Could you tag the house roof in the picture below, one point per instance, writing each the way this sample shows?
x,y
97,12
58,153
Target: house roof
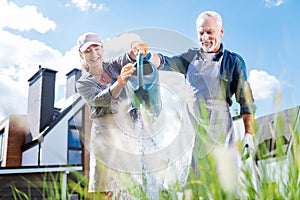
x,y
274,130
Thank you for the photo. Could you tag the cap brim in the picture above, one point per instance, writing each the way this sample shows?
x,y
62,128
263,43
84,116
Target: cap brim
x,y
86,45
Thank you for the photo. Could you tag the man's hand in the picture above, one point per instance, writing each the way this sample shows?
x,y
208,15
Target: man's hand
x,y
140,47
248,146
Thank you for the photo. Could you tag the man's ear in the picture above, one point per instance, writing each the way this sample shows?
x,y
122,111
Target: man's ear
x,y
222,32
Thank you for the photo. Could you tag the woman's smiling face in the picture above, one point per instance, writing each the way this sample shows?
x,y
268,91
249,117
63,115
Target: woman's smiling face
x,y
93,55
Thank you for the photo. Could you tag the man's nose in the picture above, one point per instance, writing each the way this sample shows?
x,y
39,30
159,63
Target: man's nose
x,y
205,36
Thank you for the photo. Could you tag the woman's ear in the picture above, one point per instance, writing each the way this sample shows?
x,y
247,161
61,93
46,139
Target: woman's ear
x,y
81,55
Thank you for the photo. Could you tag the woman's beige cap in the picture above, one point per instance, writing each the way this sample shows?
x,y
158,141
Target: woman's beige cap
x,y
88,39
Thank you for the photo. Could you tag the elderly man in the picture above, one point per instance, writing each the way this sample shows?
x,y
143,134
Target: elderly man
x,y
214,74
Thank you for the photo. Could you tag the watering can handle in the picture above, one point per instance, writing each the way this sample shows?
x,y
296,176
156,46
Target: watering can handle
x,y
140,72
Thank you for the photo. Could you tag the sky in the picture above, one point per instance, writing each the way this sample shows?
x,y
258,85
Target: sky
x,y
35,32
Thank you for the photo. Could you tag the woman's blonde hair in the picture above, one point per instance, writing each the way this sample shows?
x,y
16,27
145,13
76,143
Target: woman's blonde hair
x,y
85,67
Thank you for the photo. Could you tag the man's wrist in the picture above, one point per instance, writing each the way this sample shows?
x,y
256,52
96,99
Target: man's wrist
x,y
148,56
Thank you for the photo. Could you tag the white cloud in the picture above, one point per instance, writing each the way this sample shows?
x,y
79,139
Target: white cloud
x,y
85,5
23,18
20,58
274,3
263,85
26,54
102,7
15,99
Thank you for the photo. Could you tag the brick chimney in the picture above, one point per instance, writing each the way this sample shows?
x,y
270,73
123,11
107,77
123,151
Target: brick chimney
x,y
72,77
41,95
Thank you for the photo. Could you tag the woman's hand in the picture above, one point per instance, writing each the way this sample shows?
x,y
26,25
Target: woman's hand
x,y
126,72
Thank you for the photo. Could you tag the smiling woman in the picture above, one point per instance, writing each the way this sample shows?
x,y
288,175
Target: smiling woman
x,y
91,53
100,84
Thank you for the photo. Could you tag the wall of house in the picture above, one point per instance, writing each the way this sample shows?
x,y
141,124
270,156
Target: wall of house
x,y
30,185
30,156
86,132
4,130
15,129
39,183
54,146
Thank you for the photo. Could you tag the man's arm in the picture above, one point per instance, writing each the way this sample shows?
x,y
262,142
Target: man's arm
x,y
245,98
248,141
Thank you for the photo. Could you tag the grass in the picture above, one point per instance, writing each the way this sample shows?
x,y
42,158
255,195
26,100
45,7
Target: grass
x,y
274,177
282,183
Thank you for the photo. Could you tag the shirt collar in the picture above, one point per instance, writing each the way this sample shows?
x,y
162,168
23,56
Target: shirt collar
x,y
216,57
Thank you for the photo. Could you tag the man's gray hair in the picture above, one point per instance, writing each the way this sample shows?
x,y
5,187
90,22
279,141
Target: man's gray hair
x,y
202,16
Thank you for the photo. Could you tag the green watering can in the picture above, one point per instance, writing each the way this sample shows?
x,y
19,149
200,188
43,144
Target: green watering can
x,y
144,85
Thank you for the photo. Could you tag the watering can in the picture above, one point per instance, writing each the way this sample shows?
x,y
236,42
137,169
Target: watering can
x,y
144,87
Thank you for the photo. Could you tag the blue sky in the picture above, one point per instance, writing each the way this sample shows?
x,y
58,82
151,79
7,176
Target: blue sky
x,y
34,32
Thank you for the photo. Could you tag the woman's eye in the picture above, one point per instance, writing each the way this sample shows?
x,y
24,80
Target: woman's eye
x,y
87,51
